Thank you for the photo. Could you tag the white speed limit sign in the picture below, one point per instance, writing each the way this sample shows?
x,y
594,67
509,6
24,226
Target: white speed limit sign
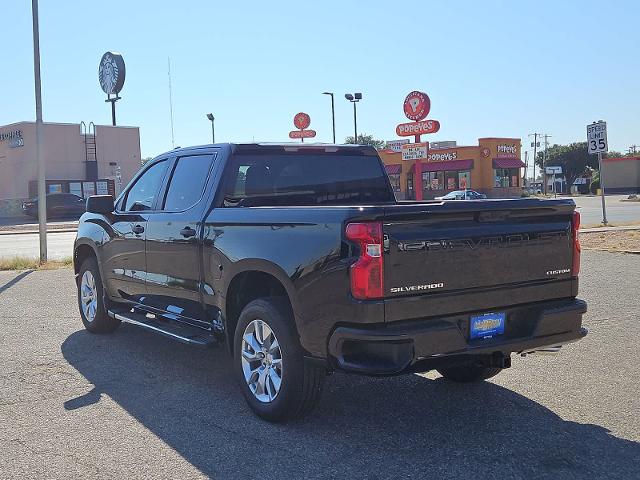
x,y
597,138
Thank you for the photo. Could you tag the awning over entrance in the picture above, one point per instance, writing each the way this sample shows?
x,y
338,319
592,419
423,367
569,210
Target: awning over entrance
x,y
393,169
449,166
508,163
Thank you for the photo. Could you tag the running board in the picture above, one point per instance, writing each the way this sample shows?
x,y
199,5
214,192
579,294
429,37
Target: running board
x,y
175,330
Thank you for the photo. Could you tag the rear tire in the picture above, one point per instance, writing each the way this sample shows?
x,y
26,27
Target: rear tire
x,y
278,383
91,299
468,373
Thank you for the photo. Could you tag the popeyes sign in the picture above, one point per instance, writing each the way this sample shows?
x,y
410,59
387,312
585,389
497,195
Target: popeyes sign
x,y
417,106
417,128
302,121
507,151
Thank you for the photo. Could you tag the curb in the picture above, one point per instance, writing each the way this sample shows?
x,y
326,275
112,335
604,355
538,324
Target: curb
x,y
609,250
610,229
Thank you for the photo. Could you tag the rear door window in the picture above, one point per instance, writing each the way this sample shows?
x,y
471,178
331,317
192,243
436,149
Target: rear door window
x,y
187,183
280,179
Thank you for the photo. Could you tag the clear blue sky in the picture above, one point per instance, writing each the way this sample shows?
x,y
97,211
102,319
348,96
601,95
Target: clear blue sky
x,y
491,68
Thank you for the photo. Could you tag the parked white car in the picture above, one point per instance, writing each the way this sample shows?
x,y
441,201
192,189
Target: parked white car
x,y
462,195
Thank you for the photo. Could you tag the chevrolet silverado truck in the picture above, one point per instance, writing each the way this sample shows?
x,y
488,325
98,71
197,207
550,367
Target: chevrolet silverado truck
x,y
300,260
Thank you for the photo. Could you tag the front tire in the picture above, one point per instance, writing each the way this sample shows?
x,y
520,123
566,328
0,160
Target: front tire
x,y
468,373
91,299
277,382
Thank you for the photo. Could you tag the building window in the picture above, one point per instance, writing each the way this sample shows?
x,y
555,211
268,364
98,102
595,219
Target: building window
x,y
433,180
451,180
409,182
464,180
394,178
507,177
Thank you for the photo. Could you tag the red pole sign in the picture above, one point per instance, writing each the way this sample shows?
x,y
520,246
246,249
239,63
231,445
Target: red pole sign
x,y
417,128
416,107
302,121
302,134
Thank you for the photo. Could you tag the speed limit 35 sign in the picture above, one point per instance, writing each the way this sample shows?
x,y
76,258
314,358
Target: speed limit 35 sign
x,y
597,138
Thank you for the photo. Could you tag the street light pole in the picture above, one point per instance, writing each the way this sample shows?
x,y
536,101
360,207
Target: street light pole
x,y
355,98
355,122
213,130
333,115
42,188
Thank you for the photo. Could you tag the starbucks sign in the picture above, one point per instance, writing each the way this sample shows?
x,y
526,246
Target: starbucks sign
x,y
111,73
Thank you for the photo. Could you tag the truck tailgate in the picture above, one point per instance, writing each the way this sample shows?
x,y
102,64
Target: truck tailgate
x,y
472,255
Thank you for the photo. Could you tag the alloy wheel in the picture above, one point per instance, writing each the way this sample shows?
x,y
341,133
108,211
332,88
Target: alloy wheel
x,y
261,359
88,296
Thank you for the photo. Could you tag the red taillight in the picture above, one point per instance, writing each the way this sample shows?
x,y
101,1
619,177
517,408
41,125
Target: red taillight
x,y
367,272
575,226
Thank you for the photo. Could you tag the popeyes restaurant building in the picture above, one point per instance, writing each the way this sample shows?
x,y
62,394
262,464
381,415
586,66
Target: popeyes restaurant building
x,y
492,167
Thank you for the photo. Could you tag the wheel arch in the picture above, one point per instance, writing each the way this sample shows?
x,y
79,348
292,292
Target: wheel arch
x,y
81,251
251,283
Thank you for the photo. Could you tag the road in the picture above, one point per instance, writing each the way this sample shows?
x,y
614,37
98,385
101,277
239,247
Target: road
x,y
618,213
136,405
59,245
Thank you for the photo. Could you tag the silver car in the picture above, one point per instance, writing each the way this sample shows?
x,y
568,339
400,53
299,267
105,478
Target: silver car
x,y
462,195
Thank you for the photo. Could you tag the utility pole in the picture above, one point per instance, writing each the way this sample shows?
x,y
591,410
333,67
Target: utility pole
x,y
544,164
535,150
42,187
526,167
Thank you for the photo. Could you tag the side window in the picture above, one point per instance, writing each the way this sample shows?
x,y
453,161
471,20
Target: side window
x,y
142,194
187,182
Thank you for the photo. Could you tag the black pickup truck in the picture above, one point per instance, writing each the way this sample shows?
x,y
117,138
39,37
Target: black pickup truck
x,y
300,260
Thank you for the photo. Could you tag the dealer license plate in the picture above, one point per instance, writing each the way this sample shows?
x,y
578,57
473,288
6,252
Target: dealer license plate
x,y
487,325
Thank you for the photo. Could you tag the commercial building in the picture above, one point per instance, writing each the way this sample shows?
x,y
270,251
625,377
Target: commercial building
x,y
79,158
492,167
621,174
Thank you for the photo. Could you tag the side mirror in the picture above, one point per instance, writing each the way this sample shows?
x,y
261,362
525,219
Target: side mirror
x,y
100,204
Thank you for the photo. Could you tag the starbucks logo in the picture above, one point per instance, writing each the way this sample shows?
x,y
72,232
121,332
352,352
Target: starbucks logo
x,y
111,73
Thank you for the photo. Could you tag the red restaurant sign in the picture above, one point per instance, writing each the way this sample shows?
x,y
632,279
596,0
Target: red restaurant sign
x,y
417,128
302,120
302,134
417,105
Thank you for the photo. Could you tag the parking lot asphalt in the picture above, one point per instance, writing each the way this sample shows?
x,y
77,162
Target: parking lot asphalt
x,y
133,404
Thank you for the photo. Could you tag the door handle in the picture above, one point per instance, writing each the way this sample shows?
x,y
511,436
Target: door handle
x,y
188,232
138,229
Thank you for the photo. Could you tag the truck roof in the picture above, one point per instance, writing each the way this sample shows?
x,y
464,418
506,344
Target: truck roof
x,y
286,146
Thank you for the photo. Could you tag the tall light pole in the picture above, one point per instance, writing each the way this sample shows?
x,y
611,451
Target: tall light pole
x,y
213,129
355,98
333,115
42,188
